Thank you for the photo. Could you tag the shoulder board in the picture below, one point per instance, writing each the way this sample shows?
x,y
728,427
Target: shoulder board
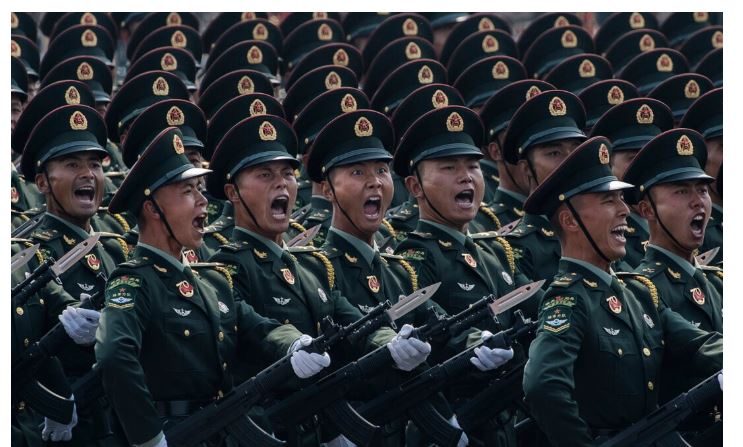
x,y
45,235
301,212
484,235
303,249
566,280
136,262
421,235
330,252
650,271
319,215
521,230
236,246
20,240
402,214
389,255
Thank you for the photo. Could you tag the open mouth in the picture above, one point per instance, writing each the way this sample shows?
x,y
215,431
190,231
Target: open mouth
x,y
465,198
697,225
373,207
85,193
280,207
618,233
200,223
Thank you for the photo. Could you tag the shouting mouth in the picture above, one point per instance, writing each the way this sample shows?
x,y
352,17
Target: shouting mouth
x,y
465,199
618,233
697,225
200,223
280,207
85,193
373,207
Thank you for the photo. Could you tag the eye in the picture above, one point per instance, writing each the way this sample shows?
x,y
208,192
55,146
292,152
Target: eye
x,y
383,170
356,171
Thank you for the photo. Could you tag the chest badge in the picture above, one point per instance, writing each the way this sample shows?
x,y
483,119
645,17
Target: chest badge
x,y
182,312
614,304
321,294
14,196
223,307
648,321
507,278
373,283
611,331
469,260
86,287
366,309
697,295
281,301
185,289
466,287
288,275
93,261
191,256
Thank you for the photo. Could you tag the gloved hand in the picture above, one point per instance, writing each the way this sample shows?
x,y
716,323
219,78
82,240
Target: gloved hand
x,y
463,440
487,359
57,431
80,324
161,442
307,364
340,441
719,379
408,352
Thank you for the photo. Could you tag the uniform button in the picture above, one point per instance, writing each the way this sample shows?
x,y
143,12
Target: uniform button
x,y
286,321
651,386
26,342
646,351
663,342
186,332
21,406
620,352
235,328
19,310
220,336
220,394
224,366
41,301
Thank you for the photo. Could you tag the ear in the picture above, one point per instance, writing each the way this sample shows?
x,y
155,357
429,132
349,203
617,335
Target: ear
x,y
567,221
327,191
645,209
231,192
42,183
523,167
414,186
148,209
494,151
305,159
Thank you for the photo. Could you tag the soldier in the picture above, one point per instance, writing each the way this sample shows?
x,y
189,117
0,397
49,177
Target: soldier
x,y
169,333
595,365
254,168
63,154
542,132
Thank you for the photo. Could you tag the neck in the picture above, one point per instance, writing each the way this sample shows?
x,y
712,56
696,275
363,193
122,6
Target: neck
x,y
671,246
434,217
317,189
82,222
248,224
159,238
583,252
342,225
506,179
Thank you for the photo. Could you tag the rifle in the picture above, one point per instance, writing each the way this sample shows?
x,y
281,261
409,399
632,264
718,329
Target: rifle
x,y
397,402
21,258
49,270
658,427
230,412
326,396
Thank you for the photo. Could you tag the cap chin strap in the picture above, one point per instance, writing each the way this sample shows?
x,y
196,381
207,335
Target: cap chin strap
x,y
585,232
505,165
662,225
51,191
160,212
335,199
425,197
245,205
533,171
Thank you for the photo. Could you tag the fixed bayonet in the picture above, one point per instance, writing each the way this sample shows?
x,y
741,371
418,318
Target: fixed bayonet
x,y
21,258
515,297
707,257
304,237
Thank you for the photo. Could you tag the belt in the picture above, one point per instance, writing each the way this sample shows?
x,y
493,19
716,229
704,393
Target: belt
x,y
178,408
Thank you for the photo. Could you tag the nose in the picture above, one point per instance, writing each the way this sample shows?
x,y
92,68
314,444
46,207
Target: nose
x,y
623,208
200,199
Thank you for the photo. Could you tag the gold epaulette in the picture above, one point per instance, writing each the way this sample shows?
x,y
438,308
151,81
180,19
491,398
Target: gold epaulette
x,y
120,219
509,253
488,212
124,246
226,274
328,266
221,239
719,274
388,226
651,287
297,226
411,273
38,253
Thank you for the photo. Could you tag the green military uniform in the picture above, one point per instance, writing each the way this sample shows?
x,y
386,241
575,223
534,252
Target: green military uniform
x,y
601,344
507,205
23,194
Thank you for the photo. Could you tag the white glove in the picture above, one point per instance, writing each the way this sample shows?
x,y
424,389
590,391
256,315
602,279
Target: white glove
x,y
307,364
161,441
408,352
463,440
719,379
340,441
487,359
56,431
80,324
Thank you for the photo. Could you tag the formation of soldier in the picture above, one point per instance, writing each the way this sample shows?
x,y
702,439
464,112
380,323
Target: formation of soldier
x,y
393,229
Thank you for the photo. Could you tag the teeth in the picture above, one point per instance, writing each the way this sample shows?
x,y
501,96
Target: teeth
x,y
620,228
698,218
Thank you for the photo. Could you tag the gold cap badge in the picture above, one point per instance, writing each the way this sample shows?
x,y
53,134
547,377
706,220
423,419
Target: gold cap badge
x,y
439,99
409,27
89,39
664,63
587,69
13,20
319,15
485,24
340,58
84,72
604,154
569,39
168,62
454,122
178,145
324,32
412,51
332,80
500,70
645,115
15,49
160,87
532,92
178,39
267,131
700,17
425,75
175,117
78,121
557,107
257,108
88,19
247,16
260,32
684,146
72,96
255,55
691,90
245,86
348,103
636,20
615,95
363,127
717,39
490,44
561,21
647,43
173,19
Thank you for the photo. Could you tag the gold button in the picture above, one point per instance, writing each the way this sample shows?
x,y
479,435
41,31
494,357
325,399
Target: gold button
x,y
224,365
220,394
26,342
619,351
19,310
21,406
646,351
286,321
235,328
220,336
663,342
41,301
651,386
186,332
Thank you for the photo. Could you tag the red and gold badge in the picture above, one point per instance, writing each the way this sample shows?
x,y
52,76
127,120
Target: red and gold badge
x,y
532,92
178,39
288,275
14,196
255,55
106,161
561,21
168,62
257,108
88,38
190,256
15,49
636,20
490,44
332,81
160,87
557,107
700,17
425,75
500,70
485,24
267,132
717,39
412,51
697,295
363,127
587,69
324,32
569,39
173,19
604,155
245,86
13,20
373,283
78,121
84,72
647,43
439,99
340,58
178,145
319,15
684,146
691,90
664,64
72,96
93,261
185,289
615,96
348,103
645,115
409,27
614,304
469,260
454,122
175,117
260,32
88,19
247,16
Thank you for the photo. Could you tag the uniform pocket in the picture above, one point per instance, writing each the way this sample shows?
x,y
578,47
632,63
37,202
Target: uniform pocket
x,y
620,364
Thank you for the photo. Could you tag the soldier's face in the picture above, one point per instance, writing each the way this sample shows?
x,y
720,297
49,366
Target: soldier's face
x,y
364,191
545,158
185,210
76,182
269,190
605,217
684,208
454,186
16,107
714,156
620,161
